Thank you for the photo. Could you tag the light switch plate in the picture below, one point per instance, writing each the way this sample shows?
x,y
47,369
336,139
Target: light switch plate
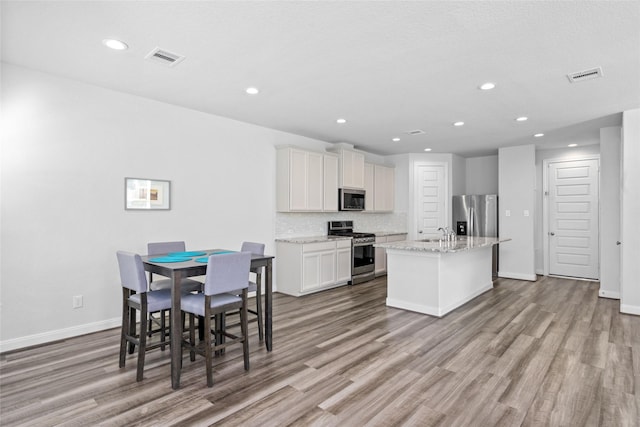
x,y
507,213
526,213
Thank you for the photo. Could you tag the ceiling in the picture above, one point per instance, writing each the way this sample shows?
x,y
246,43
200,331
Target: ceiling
x,y
387,67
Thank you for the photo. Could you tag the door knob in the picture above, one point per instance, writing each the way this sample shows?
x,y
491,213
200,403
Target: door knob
x,y
618,243
419,231
551,233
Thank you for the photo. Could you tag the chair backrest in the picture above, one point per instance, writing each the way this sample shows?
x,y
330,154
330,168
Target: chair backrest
x,y
132,271
227,273
254,248
160,248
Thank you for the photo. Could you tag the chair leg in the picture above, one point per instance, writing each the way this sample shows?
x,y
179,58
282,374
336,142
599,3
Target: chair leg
x,y
244,329
124,328
142,348
259,306
207,341
192,337
132,329
163,329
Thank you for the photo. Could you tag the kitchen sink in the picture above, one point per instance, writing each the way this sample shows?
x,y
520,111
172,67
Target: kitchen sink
x,y
430,240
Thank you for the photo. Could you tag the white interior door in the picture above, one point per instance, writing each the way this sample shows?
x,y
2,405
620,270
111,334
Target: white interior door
x,y
431,200
573,218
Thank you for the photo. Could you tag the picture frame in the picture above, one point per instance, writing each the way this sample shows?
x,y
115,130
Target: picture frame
x,y
147,194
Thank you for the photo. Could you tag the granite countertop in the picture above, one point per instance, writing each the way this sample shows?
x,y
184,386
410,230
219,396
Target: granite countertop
x,y
311,239
388,233
434,245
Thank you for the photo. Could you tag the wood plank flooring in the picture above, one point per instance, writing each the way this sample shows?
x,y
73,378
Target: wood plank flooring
x,y
524,354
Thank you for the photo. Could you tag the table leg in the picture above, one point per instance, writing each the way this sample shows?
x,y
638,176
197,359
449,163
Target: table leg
x,y
268,306
176,330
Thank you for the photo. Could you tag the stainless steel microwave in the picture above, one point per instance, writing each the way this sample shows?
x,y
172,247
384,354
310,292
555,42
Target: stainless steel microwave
x,y
351,200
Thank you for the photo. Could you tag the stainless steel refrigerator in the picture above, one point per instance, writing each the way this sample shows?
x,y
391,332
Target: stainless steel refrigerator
x,y
477,216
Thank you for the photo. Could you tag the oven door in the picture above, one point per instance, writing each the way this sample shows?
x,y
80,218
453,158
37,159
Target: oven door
x,y
364,257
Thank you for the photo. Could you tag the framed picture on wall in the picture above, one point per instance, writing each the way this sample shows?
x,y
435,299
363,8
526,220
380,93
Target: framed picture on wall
x,y
147,194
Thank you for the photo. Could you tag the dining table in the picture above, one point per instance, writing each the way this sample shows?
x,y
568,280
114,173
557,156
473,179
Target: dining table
x,y
196,265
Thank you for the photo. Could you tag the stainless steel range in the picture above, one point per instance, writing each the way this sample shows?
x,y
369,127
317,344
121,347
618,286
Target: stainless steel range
x,y
363,253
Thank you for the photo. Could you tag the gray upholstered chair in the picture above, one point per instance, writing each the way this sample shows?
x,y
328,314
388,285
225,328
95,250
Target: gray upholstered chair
x,y
136,296
186,285
162,248
226,274
256,249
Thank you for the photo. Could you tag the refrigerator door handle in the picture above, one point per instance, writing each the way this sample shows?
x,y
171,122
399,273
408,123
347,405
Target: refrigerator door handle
x,y
470,231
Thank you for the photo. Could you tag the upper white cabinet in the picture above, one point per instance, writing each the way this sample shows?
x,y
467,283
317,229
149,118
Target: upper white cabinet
x,y
304,181
351,169
379,185
330,183
384,188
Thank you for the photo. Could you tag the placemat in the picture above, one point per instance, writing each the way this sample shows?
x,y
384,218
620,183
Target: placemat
x,y
187,254
164,259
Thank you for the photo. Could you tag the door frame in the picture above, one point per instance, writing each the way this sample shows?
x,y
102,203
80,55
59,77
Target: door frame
x,y
414,202
545,204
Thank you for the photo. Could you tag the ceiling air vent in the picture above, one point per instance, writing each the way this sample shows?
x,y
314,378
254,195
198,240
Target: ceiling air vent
x,y
582,76
415,132
164,57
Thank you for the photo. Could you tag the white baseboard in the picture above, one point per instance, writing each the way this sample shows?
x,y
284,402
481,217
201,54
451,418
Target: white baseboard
x,y
60,334
609,294
518,276
630,309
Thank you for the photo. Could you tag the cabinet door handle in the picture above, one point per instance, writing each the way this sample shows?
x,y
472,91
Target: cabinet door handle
x,y
551,233
618,243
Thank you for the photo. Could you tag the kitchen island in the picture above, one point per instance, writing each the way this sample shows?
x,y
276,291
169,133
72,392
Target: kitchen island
x,y
435,277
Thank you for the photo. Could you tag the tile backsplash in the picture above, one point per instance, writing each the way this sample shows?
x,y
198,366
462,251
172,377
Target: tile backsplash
x,y
315,224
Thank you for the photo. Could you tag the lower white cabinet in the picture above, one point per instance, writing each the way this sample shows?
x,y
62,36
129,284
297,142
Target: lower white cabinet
x,y
303,268
381,253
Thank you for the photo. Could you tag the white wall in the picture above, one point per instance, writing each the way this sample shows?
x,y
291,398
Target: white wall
x,y
517,189
66,150
610,145
458,175
630,284
556,154
482,175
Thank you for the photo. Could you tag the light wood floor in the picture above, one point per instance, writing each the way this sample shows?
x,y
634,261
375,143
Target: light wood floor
x,y
525,353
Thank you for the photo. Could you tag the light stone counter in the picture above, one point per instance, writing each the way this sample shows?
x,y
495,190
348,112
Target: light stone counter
x,y
389,233
434,245
311,239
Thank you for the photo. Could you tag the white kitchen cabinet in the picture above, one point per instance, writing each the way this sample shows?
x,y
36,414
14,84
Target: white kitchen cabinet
x,y
343,261
379,186
384,188
304,268
369,193
305,180
330,183
351,169
381,257
381,253
318,267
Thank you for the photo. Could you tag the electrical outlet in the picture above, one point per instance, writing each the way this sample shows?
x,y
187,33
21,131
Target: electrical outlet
x,y
77,301
526,213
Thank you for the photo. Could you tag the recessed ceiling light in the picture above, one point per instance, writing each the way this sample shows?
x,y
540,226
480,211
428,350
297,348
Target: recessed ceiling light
x,y
458,124
487,86
252,90
572,145
115,44
396,139
427,149
538,135
522,119
341,121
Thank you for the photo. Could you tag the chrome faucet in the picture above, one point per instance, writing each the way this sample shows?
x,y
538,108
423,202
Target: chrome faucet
x,y
448,234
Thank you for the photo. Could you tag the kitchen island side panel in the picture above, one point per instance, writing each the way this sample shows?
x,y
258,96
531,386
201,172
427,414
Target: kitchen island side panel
x,y
436,283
